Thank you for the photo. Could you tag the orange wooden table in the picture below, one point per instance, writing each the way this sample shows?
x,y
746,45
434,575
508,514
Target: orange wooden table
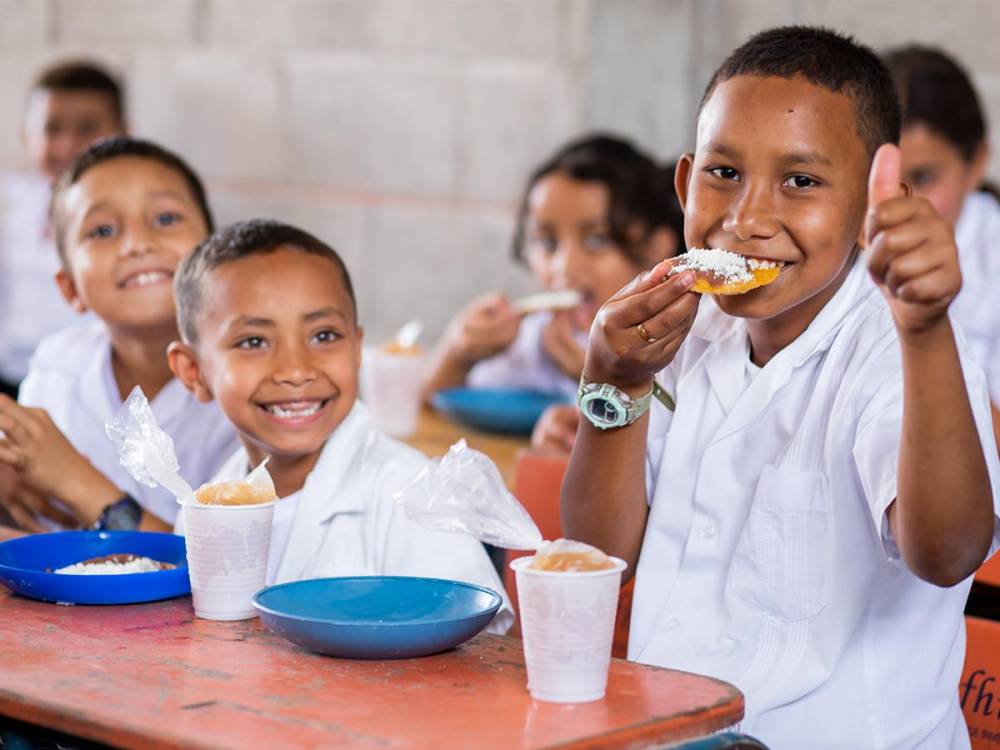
x,y
152,676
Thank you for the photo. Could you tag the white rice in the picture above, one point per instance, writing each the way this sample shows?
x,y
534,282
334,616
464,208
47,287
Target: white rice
x,y
110,567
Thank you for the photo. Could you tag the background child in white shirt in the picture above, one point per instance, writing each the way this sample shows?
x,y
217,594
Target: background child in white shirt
x,y
805,521
124,215
945,156
593,215
269,324
70,105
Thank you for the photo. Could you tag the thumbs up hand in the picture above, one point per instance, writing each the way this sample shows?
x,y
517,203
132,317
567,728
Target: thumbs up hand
x,y
911,250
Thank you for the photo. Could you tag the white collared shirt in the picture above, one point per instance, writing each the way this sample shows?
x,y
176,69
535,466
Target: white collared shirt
x,y
976,309
525,363
767,559
344,521
31,306
72,379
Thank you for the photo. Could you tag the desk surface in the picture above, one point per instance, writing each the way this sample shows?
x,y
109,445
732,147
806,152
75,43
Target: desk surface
x,y
153,676
436,433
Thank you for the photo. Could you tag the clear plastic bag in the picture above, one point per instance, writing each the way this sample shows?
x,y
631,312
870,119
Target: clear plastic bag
x,y
144,450
147,453
463,491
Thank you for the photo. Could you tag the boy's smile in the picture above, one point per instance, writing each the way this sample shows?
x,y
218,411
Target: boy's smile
x,y
129,223
779,174
279,349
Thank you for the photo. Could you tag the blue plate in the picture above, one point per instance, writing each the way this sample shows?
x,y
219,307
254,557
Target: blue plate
x,y
377,617
25,563
507,410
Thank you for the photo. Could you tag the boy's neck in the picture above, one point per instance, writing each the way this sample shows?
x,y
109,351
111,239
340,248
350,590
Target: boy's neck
x,y
770,336
139,358
289,473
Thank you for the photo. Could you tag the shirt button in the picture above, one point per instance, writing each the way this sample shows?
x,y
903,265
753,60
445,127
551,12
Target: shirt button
x,y
710,531
671,623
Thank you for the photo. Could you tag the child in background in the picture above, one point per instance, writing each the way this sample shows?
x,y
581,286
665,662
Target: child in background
x,y
123,217
269,325
592,216
69,106
945,155
807,516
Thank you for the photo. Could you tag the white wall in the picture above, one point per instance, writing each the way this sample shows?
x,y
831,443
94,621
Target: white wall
x,y
401,130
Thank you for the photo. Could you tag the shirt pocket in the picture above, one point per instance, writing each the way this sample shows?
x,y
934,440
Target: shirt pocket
x,y
779,567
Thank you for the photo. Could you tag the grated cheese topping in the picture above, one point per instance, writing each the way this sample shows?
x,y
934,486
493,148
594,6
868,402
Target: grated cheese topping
x,y
731,266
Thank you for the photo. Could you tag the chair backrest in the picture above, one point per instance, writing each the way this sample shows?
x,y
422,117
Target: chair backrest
x,y
979,689
724,741
537,484
989,572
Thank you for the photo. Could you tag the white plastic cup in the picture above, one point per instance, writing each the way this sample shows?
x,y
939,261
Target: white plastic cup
x,y
392,385
227,548
568,624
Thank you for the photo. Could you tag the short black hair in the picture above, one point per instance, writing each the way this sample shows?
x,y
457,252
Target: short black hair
x,y
825,58
235,242
641,192
934,90
82,75
114,147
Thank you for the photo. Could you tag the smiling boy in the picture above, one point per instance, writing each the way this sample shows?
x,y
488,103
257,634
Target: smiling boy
x,y
269,325
805,521
123,216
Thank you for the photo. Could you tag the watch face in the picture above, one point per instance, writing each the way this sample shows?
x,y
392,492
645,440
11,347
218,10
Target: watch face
x,y
604,412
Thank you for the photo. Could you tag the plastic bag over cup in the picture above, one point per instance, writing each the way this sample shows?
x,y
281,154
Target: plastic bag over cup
x,y
147,453
463,491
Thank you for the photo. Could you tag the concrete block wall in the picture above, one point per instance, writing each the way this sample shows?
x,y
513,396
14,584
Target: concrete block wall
x,y
402,130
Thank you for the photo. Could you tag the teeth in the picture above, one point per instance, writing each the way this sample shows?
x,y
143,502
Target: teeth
x,y
757,263
294,412
148,277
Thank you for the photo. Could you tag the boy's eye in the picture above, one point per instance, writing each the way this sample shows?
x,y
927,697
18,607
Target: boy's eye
x,y
250,342
724,173
546,243
326,336
596,241
922,178
101,232
167,218
800,181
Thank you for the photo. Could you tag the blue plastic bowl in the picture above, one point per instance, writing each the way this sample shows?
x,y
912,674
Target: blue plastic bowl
x,y
25,563
377,617
508,410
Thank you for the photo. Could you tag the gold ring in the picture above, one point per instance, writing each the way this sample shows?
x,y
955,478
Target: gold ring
x,y
644,334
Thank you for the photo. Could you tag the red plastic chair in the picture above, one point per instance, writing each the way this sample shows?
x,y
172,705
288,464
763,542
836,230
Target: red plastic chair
x,y
989,572
537,483
979,690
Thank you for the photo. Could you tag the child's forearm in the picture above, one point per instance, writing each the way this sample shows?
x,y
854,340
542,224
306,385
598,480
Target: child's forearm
x,y
448,370
942,519
604,493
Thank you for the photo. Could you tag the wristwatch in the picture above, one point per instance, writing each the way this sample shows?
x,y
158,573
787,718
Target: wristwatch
x,y
124,514
608,407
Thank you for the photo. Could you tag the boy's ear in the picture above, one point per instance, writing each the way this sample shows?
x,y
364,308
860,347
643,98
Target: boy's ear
x,y
183,363
67,287
682,178
360,334
980,160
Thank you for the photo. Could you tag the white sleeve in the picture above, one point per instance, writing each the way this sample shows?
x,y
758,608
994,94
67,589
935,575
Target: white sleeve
x,y
523,365
660,419
876,447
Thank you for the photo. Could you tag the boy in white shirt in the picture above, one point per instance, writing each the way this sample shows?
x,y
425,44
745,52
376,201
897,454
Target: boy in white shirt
x,y
806,519
70,105
124,215
269,325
